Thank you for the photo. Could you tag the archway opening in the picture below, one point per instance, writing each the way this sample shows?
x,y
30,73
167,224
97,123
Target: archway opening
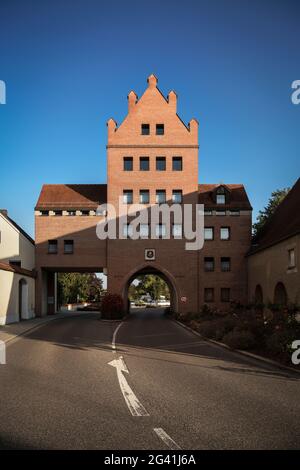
x,y
280,295
23,299
150,289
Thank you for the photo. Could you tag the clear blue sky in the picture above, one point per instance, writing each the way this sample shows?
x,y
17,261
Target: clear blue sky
x,y
69,65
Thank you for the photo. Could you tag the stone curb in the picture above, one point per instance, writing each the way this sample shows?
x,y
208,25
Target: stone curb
x,y
239,351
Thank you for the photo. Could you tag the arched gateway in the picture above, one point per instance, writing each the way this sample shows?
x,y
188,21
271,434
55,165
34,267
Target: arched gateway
x,y
159,271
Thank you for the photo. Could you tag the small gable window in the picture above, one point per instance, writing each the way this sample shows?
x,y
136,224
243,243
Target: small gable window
x,y
160,129
145,129
220,195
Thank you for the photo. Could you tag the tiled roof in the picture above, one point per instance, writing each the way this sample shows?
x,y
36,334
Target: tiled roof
x,y
16,269
71,196
238,198
283,224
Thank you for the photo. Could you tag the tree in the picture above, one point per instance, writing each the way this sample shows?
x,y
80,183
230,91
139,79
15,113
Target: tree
x,y
264,215
74,287
150,284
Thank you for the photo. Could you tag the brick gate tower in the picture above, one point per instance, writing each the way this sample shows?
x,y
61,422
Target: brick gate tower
x,y
152,159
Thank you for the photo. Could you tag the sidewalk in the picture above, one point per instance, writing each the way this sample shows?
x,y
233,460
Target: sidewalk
x,y
11,331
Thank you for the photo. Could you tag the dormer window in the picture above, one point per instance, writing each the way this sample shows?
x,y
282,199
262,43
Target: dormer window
x,y
220,195
145,129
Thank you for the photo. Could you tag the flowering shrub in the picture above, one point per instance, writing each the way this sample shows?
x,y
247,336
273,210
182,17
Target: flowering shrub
x,y
112,306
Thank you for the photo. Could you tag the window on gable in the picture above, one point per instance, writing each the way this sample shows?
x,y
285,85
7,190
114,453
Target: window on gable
x,y
145,129
160,129
220,195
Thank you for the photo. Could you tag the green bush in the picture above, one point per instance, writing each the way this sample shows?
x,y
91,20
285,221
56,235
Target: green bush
x,y
112,307
224,326
240,339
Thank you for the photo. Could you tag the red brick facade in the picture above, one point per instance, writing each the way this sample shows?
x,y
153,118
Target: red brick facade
x,y
153,131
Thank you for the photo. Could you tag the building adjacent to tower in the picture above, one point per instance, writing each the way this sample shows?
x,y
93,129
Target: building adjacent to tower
x,y
152,159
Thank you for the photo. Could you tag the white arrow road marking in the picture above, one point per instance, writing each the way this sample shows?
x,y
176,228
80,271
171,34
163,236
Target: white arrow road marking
x,y
134,405
166,438
113,343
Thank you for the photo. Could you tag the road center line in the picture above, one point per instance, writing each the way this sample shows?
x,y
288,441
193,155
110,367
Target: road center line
x,y
166,438
113,343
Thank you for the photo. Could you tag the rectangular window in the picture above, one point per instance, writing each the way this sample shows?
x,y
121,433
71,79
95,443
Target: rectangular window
x,y
57,212
127,231
160,163
160,196
225,264
68,247
15,263
144,196
144,163
160,230
209,294
208,233
177,164
45,213
177,230
209,264
144,230
85,213
160,129
127,196
225,294
292,258
225,233
71,213
128,163
145,129
221,199
177,196
52,246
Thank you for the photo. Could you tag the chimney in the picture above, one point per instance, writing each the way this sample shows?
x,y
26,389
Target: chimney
x,y
172,98
4,212
152,81
132,100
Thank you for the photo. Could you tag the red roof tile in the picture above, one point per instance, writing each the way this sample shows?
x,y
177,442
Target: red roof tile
x,y
71,196
238,198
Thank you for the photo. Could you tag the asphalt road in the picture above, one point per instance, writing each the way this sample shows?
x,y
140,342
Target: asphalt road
x,y
58,390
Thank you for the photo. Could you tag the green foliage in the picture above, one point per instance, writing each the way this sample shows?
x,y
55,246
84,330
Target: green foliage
x,y
264,215
150,284
82,287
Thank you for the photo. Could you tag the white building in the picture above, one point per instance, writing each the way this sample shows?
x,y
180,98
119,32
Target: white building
x,y
17,275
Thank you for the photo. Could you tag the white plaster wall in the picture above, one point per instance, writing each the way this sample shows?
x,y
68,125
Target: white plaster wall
x,y
15,246
9,297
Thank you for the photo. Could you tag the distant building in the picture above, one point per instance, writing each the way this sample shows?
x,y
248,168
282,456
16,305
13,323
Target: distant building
x,y
17,282
152,159
274,260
